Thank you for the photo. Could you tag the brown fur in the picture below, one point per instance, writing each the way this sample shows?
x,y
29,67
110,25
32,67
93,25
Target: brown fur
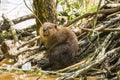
x,y
61,45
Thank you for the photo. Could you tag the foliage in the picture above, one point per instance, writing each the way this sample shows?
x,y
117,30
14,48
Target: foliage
x,y
75,7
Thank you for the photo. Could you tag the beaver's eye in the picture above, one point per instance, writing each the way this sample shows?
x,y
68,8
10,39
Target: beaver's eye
x,y
55,26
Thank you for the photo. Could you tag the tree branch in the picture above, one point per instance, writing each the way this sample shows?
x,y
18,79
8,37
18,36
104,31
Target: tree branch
x,y
105,11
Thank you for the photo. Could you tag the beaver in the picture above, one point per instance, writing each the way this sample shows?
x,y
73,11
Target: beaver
x,y
60,43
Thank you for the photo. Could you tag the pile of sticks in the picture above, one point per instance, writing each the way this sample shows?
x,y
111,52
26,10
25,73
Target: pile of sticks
x,y
99,44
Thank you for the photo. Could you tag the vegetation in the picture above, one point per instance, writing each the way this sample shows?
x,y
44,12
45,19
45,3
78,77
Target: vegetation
x,y
96,24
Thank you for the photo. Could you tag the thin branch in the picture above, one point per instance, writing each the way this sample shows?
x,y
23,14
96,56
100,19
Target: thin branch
x,y
105,30
98,7
26,49
72,66
113,5
34,39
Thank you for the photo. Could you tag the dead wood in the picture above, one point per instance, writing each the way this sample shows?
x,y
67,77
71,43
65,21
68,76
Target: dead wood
x,y
23,18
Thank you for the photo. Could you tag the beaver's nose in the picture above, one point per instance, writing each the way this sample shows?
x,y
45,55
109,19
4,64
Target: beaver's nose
x,y
45,28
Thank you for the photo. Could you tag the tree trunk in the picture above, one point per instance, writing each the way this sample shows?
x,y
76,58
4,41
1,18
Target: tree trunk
x,y
45,11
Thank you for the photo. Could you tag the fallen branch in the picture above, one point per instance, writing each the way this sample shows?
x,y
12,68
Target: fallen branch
x,y
20,19
72,66
55,73
104,30
113,5
23,18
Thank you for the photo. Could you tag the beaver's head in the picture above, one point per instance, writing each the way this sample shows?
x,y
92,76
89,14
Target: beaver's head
x,y
49,28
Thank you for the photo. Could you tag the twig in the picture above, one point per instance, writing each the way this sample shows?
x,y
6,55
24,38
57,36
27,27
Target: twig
x,y
104,30
101,50
55,73
32,12
95,19
72,66
26,49
113,14
96,73
9,68
113,5
111,29
22,45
